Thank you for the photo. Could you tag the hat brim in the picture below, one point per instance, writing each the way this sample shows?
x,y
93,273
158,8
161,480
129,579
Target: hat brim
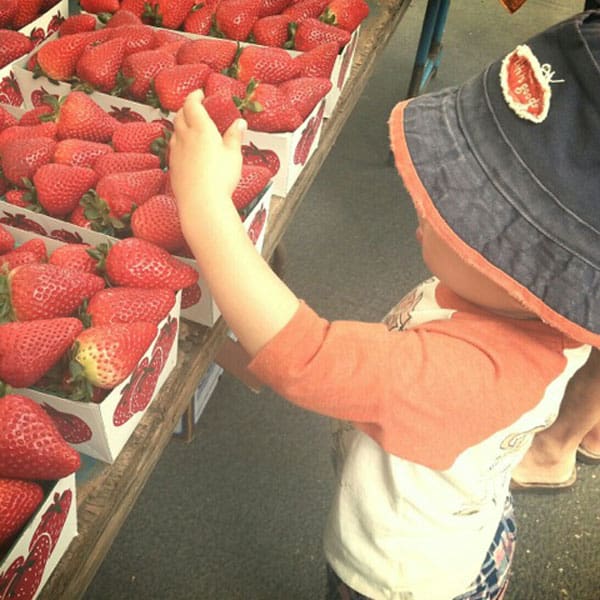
x,y
450,188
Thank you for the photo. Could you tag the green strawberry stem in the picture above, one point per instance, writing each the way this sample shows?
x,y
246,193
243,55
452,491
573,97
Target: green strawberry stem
x,y
6,313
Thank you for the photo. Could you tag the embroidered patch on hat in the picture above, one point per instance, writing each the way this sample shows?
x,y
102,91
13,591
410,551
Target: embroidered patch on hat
x,y
526,84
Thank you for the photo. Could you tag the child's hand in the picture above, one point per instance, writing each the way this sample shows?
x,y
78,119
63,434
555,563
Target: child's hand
x,y
204,167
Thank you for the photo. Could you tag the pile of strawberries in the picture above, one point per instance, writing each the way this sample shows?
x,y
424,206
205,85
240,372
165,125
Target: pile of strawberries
x,y
71,160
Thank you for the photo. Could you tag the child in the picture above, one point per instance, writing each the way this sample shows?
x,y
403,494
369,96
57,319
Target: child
x,y
444,396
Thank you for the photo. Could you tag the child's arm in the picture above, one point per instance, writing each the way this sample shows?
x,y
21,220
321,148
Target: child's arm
x,y
205,169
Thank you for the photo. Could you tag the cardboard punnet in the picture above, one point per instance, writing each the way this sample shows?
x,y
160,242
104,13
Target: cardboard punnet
x,y
37,550
38,30
101,429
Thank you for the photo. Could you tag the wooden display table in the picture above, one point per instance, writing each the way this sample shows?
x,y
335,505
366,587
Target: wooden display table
x,y
106,493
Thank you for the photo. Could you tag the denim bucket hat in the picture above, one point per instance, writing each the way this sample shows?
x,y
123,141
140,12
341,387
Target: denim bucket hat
x,y
506,169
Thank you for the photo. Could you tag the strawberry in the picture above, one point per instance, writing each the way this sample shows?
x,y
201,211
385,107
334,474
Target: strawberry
x,y
273,7
79,153
78,23
8,10
169,13
312,33
346,14
99,6
15,258
304,93
34,246
121,18
139,136
273,30
31,348
252,155
35,116
157,221
190,296
164,37
18,501
7,241
80,117
77,217
73,256
6,119
137,37
222,110
57,58
133,262
217,54
107,354
19,197
46,291
141,68
199,19
234,19
100,64
319,61
253,180
13,45
31,445
21,158
265,108
59,188
172,85
264,64
305,9
128,304
119,162
27,132
27,11
137,7
223,85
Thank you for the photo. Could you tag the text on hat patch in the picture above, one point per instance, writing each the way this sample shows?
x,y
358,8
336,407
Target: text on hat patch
x,y
526,84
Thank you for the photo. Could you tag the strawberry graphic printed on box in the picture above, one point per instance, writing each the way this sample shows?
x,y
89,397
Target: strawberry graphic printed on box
x,y
34,555
341,73
101,429
37,31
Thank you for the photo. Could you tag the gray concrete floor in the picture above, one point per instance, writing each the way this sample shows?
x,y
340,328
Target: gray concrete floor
x,y
238,513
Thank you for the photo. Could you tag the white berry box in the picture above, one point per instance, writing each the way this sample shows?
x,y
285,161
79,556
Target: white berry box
x,y
35,553
100,430
38,30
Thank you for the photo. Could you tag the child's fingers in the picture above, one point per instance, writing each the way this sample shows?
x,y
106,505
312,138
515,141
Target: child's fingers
x,y
193,111
232,138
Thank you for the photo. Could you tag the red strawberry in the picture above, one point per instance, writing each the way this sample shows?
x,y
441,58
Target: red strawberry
x,y
80,117
21,158
169,13
100,64
32,447
18,501
46,291
27,11
157,221
7,241
13,45
164,37
234,19
223,85
128,304
252,155
190,296
137,37
265,108
264,64
346,14
26,132
31,348
135,6
319,61
121,18
80,153
172,85
305,9
199,19
119,162
53,519
107,354
304,93
35,246
77,217
6,119
59,188
138,136
222,110
8,10
74,256
257,225
253,180
99,6
273,30
142,67
312,33
133,262
217,54
34,115
15,258
77,24
71,427
273,7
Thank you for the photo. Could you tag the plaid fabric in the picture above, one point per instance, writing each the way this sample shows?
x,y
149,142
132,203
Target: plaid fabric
x,y
490,584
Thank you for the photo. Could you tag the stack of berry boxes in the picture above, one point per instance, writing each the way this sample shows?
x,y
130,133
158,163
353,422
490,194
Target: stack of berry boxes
x,y
37,31
291,150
